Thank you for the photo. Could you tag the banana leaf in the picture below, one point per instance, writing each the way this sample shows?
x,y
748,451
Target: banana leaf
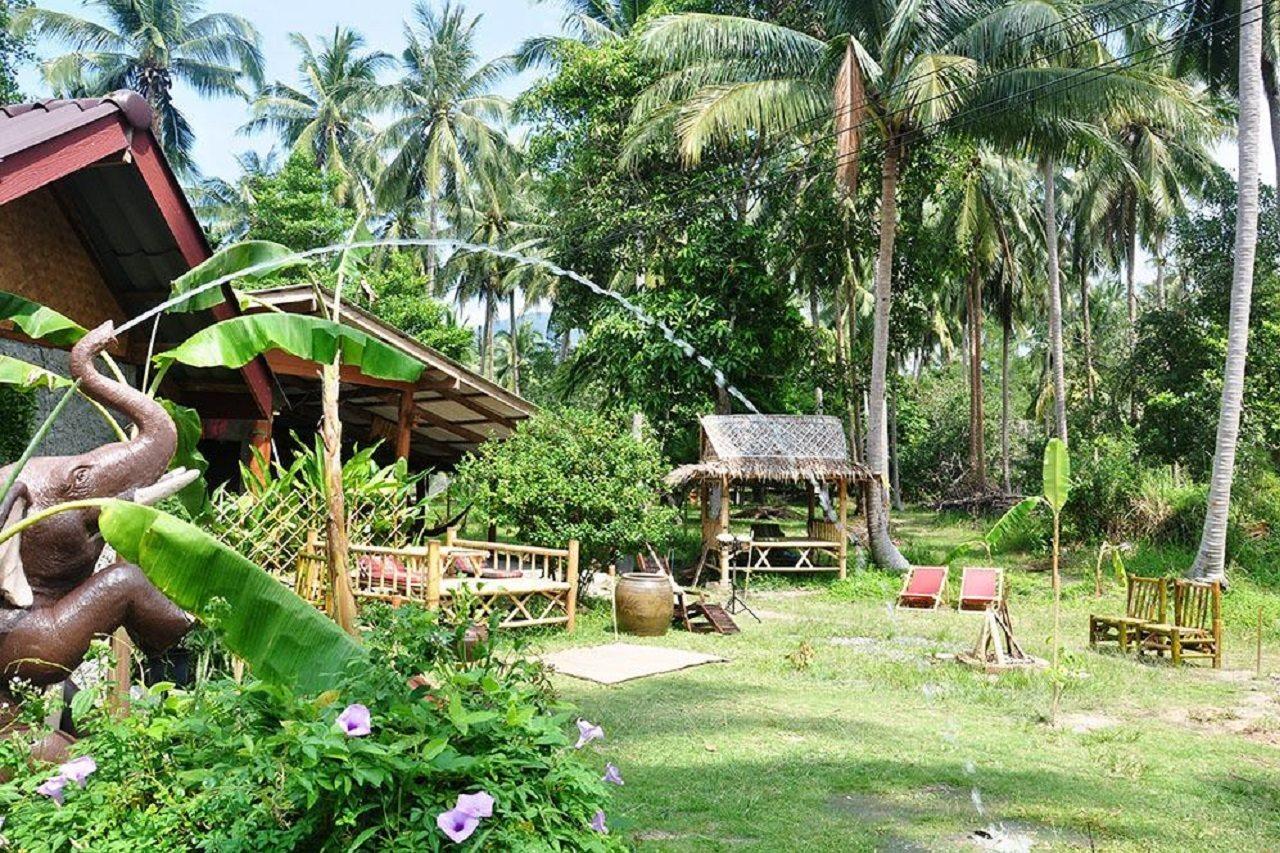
x,y
38,322
195,497
235,342
224,262
1057,474
1009,525
283,639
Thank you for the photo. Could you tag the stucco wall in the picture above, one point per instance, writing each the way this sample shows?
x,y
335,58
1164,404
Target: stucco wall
x,y
80,427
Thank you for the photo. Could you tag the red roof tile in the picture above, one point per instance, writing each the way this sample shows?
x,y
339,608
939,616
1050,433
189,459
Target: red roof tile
x,y
23,126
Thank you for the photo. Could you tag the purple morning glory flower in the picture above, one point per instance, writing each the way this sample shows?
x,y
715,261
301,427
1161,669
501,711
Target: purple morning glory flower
x,y
612,775
588,732
78,769
355,721
597,823
52,788
479,804
457,824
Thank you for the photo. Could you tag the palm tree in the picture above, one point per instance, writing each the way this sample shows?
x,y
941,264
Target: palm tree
x,y
450,130
896,68
517,353
223,207
328,113
590,22
147,46
1210,560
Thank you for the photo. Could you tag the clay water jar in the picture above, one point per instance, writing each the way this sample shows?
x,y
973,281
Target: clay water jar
x,y
645,604
477,634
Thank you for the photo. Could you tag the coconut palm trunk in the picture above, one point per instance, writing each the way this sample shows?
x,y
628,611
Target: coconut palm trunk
x,y
1006,331
977,413
1049,171
1210,562
514,342
1271,87
490,314
883,551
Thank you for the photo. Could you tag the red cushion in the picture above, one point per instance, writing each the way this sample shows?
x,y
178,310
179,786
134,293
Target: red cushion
x,y
982,584
926,582
384,570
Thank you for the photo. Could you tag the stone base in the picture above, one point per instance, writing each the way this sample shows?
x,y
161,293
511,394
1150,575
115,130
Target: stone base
x,y
990,667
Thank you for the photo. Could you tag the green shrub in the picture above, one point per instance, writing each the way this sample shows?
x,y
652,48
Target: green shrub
x,y
17,422
227,766
1103,479
572,474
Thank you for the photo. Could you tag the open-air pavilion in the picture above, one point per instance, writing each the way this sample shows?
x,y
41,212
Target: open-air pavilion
x,y
741,450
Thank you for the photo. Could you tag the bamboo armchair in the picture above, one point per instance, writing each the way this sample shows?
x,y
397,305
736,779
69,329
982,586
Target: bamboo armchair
x,y
1146,603
1196,630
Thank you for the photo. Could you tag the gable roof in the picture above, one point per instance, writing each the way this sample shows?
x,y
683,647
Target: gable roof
x,y
102,165
771,448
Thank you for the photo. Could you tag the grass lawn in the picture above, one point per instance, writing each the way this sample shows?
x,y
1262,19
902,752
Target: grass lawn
x,y
834,728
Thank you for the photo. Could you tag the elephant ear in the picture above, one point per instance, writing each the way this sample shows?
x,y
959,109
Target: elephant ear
x,y
13,580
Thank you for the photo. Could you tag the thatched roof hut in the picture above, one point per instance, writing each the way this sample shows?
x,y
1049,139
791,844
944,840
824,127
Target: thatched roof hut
x,y
771,449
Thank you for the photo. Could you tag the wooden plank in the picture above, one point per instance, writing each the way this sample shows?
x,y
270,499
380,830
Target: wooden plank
x,y
448,425
404,429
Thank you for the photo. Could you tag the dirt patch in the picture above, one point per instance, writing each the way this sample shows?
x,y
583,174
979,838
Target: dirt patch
x,y
1257,718
1083,723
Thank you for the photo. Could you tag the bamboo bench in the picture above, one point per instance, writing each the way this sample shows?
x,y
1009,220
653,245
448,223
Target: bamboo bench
x,y
1144,605
545,591
1196,630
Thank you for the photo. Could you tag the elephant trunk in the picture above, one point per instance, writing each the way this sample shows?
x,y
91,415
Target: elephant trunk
x,y
144,459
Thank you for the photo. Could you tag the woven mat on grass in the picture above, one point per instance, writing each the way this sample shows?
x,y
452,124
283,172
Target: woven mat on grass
x,y
618,662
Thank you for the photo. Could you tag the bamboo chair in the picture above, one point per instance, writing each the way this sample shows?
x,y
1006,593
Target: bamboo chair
x,y
1146,603
924,588
981,587
1196,630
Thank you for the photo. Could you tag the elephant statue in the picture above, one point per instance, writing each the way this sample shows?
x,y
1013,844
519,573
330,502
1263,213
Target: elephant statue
x,y
52,601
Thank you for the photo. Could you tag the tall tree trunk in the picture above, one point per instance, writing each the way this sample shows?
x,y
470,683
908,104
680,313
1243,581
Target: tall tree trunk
x,y
883,551
817,346
977,412
893,452
1160,272
1131,288
433,231
1006,331
515,342
1271,87
1211,560
490,314
1090,384
1049,172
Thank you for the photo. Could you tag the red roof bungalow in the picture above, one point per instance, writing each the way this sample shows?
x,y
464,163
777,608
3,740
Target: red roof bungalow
x,y
94,224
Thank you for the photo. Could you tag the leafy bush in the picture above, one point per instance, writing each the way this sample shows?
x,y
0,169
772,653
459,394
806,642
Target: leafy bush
x,y
17,422
572,474
1102,489
226,766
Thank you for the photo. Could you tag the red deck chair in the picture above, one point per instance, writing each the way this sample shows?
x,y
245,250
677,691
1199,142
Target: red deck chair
x,y
925,588
980,587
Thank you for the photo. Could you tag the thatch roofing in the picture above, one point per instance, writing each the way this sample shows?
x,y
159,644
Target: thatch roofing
x,y
771,448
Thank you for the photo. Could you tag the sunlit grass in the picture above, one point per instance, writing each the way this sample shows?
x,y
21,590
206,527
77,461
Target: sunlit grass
x,y
876,744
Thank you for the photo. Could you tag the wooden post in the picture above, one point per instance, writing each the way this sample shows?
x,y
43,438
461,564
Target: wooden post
x,y
404,428
844,527
724,529
123,649
260,446
571,578
450,536
434,565
1259,663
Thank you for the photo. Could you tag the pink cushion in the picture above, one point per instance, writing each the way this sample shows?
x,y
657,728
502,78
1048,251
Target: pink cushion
x,y
925,582
384,570
982,584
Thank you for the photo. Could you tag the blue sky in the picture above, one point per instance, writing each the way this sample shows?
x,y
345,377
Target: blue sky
x,y
503,25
